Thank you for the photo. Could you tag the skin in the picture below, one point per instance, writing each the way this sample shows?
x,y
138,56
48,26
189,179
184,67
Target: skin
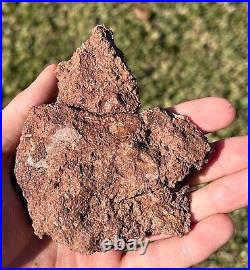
x,y
226,191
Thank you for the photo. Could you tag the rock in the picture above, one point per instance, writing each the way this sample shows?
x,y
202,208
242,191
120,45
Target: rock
x,y
96,78
92,167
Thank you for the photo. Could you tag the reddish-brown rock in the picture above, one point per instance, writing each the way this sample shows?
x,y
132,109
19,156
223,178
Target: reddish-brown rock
x,y
91,166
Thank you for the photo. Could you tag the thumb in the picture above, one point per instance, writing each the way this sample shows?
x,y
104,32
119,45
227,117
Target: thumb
x,y
42,90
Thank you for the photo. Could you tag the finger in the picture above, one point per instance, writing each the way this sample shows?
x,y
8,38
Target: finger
x,y
205,238
221,196
227,157
209,114
159,237
108,259
42,90
67,258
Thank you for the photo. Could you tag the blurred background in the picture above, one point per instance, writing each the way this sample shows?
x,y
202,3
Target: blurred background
x,y
177,52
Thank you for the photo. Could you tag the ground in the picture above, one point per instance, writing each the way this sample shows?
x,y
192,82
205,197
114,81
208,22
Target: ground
x,y
177,52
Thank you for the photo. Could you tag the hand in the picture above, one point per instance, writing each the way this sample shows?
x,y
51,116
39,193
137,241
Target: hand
x,y
227,172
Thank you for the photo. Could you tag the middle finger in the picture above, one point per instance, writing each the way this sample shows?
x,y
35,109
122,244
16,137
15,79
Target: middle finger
x,y
221,196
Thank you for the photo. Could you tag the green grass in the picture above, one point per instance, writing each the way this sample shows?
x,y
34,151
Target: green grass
x,y
177,51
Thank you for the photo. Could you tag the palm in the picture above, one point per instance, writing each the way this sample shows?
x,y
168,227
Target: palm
x,y
227,172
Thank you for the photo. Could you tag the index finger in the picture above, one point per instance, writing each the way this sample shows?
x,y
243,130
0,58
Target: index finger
x,y
209,114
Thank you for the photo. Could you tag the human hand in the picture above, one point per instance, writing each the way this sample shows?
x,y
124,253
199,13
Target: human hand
x,y
227,191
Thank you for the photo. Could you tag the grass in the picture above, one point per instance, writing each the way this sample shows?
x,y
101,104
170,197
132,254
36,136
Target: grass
x,y
177,51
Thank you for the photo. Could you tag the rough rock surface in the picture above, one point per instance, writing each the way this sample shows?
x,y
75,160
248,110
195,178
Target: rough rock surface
x,y
96,78
92,167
